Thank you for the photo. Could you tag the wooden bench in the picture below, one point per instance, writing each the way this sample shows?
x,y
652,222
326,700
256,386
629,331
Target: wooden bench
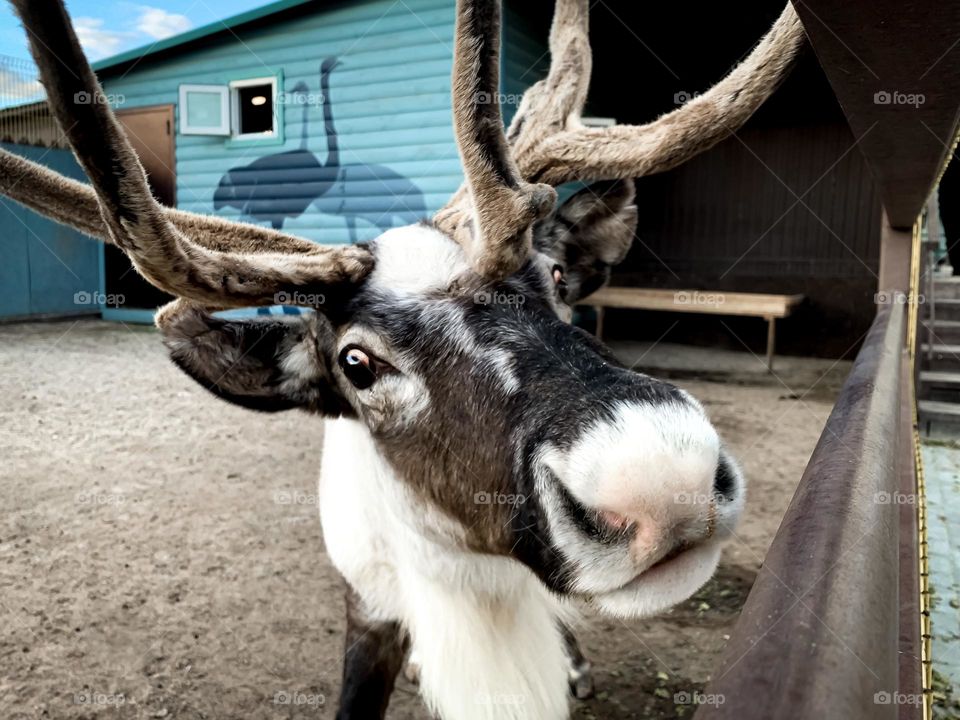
x,y
768,307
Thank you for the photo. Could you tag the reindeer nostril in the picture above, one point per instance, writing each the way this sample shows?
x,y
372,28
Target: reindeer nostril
x,y
724,483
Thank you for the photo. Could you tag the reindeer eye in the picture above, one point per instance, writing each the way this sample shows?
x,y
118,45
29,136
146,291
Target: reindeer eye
x,y
559,281
358,366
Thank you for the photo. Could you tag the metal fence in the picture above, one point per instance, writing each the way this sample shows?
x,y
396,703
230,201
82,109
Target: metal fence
x,y
24,116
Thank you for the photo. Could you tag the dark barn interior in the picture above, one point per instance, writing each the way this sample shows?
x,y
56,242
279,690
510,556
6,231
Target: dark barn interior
x,y
787,206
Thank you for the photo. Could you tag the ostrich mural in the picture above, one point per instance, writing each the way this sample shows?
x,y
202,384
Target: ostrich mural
x,y
283,185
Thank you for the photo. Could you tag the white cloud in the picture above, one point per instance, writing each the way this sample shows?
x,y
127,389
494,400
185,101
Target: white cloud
x,y
152,23
159,24
15,85
98,42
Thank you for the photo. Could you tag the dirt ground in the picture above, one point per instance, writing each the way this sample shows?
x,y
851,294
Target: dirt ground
x,y
161,555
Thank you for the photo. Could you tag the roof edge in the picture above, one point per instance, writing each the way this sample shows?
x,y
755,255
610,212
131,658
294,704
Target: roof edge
x,y
203,31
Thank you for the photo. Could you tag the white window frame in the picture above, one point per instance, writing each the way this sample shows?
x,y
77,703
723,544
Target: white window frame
x,y
223,128
234,88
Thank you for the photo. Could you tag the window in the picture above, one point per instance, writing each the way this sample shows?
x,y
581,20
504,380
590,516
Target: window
x,y
253,105
246,111
204,110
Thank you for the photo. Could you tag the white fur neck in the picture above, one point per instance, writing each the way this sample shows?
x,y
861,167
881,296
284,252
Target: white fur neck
x,y
483,628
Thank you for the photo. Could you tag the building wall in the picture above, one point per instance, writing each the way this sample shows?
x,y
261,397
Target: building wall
x,y
390,99
47,269
787,205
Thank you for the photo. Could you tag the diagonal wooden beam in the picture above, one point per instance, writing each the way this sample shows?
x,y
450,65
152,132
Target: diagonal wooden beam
x,y
895,68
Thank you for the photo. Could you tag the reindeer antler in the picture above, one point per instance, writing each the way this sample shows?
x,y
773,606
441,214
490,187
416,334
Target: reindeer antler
x,y
551,145
74,204
496,229
134,220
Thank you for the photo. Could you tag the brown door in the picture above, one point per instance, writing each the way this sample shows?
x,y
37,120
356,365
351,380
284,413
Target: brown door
x,y
150,131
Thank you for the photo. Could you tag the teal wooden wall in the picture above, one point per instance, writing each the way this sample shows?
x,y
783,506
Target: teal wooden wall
x,y
47,269
525,57
390,99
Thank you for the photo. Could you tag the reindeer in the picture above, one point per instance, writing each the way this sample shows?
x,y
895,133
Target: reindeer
x,y
440,398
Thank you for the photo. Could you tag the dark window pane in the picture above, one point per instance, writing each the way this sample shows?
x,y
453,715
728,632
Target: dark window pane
x,y
256,109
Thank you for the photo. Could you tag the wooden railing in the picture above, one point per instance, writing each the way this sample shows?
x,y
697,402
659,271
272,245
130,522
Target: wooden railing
x,y
831,628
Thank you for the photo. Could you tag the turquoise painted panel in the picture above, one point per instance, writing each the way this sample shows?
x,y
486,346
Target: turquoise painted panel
x,y
48,269
368,143
526,58
368,138
15,268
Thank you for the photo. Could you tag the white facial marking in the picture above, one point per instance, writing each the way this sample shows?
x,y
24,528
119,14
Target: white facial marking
x,y
416,259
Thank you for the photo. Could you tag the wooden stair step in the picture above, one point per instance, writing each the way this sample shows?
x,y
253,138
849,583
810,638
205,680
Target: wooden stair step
x,y
940,379
943,349
938,410
943,324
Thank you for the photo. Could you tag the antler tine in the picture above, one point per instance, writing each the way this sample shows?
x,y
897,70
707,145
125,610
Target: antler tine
x,y
556,102
74,204
135,221
629,151
496,231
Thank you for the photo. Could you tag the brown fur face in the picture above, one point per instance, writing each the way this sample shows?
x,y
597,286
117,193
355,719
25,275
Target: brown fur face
x,y
481,400
440,407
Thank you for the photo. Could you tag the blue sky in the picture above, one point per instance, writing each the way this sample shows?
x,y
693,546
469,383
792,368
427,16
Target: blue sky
x,y
107,28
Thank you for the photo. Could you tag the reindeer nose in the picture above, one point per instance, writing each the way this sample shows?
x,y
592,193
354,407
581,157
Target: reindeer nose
x,y
656,471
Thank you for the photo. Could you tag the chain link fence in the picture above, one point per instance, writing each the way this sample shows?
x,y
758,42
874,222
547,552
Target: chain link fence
x,y
24,116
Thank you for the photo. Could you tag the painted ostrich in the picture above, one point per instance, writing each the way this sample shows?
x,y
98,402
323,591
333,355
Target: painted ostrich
x,y
361,189
280,186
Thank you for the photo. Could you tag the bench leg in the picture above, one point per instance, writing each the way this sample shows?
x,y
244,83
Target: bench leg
x,y
599,309
771,342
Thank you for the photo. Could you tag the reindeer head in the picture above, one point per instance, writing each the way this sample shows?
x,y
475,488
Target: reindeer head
x,y
448,341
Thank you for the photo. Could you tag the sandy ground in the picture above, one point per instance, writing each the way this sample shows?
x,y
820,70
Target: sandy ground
x,y
161,555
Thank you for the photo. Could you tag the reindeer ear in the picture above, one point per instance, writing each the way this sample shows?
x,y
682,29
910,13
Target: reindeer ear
x,y
270,364
589,234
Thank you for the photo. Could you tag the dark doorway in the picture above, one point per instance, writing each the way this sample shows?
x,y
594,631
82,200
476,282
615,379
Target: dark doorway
x,y
150,131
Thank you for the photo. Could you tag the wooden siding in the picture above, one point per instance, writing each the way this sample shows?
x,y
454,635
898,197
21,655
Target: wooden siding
x,y
47,269
777,202
525,56
390,100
